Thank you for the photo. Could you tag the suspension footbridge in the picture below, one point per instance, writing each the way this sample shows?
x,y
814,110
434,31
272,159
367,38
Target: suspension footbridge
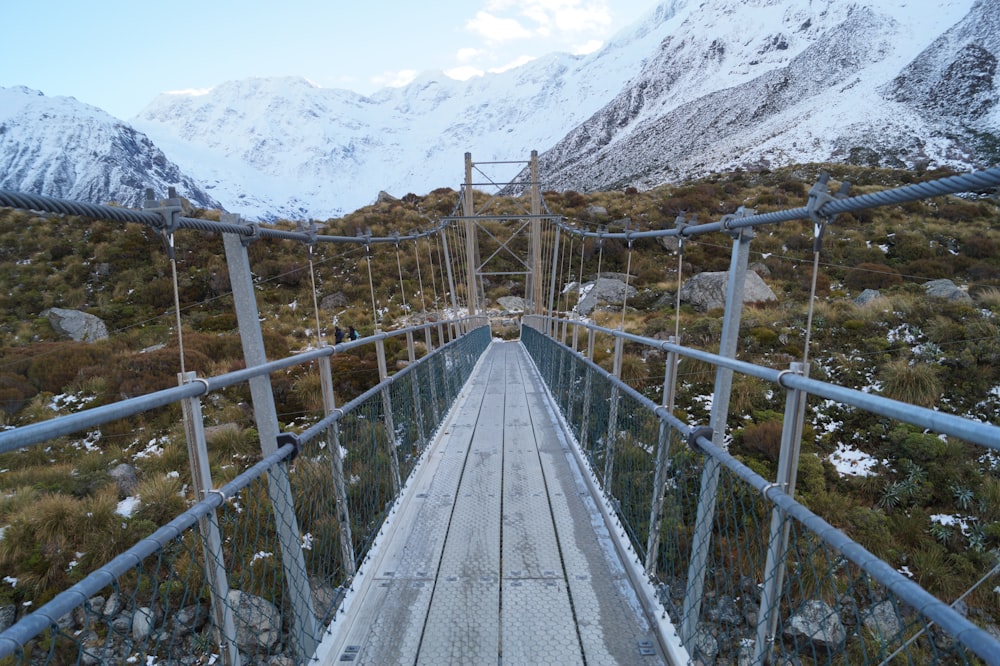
x,y
498,502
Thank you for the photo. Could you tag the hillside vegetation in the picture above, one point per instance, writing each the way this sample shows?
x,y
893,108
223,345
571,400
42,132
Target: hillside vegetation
x,y
58,501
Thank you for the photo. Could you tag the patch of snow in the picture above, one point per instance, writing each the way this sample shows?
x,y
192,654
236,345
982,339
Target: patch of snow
x,y
11,580
949,520
127,506
850,461
261,555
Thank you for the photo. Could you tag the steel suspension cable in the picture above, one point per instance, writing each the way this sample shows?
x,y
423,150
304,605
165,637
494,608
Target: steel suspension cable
x,y
177,297
402,289
431,249
371,287
628,270
420,280
568,273
320,341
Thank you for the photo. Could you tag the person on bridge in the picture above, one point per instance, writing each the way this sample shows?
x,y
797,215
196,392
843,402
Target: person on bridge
x,y
351,333
338,334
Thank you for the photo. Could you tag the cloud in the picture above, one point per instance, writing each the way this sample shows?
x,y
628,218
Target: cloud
x,y
463,73
588,47
467,54
395,79
554,16
522,60
496,29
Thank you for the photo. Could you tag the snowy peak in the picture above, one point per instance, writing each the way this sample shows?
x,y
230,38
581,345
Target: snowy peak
x,y
696,86
60,147
956,76
760,83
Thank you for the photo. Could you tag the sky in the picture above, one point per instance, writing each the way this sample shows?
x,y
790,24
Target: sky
x,y
120,54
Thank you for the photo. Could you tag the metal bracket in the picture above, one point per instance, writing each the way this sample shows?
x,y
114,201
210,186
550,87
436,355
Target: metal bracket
x,y
819,196
309,231
696,433
254,233
293,439
169,210
740,213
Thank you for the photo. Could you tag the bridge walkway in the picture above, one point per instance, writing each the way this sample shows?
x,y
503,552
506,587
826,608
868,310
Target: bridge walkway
x,y
498,552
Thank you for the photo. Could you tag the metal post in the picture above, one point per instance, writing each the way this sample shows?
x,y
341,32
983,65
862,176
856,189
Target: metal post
x,y
208,526
451,277
536,238
418,409
552,286
337,468
471,248
304,628
702,537
612,434
777,545
390,426
662,451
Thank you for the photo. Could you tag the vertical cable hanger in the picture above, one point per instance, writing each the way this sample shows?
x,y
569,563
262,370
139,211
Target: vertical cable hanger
x,y
680,224
399,270
420,280
170,210
628,272
371,283
819,196
310,245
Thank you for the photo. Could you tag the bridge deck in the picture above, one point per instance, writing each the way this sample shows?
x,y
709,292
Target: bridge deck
x,y
498,553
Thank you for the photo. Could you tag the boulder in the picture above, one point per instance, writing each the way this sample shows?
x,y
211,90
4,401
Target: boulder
x,y
511,303
947,290
80,326
707,291
706,646
883,621
8,614
142,624
604,290
125,478
335,300
258,622
867,296
816,623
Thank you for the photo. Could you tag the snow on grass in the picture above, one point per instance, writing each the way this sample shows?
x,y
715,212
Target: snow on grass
x,y
127,506
850,461
153,448
951,520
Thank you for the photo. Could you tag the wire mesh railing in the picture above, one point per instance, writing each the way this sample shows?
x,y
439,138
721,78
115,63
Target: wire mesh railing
x,y
254,569
762,579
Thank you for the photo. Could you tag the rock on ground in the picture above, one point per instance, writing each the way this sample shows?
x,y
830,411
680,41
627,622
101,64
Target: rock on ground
x,y
707,291
80,326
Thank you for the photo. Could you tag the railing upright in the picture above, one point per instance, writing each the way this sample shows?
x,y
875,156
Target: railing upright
x,y
709,487
611,435
662,452
304,627
390,425
777,547
208,526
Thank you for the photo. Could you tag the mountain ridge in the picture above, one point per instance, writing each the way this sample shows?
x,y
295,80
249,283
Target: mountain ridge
x,y
693,88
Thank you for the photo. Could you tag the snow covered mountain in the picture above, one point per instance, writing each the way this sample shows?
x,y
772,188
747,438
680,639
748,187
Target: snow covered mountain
x,y
283,146
760,83
696,86
60,147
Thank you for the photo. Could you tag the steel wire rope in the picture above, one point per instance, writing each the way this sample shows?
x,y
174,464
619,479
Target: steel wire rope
x,y
320,341
566,272
433,247
402,289
169,238
579,284
628,269
420,280
371,287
